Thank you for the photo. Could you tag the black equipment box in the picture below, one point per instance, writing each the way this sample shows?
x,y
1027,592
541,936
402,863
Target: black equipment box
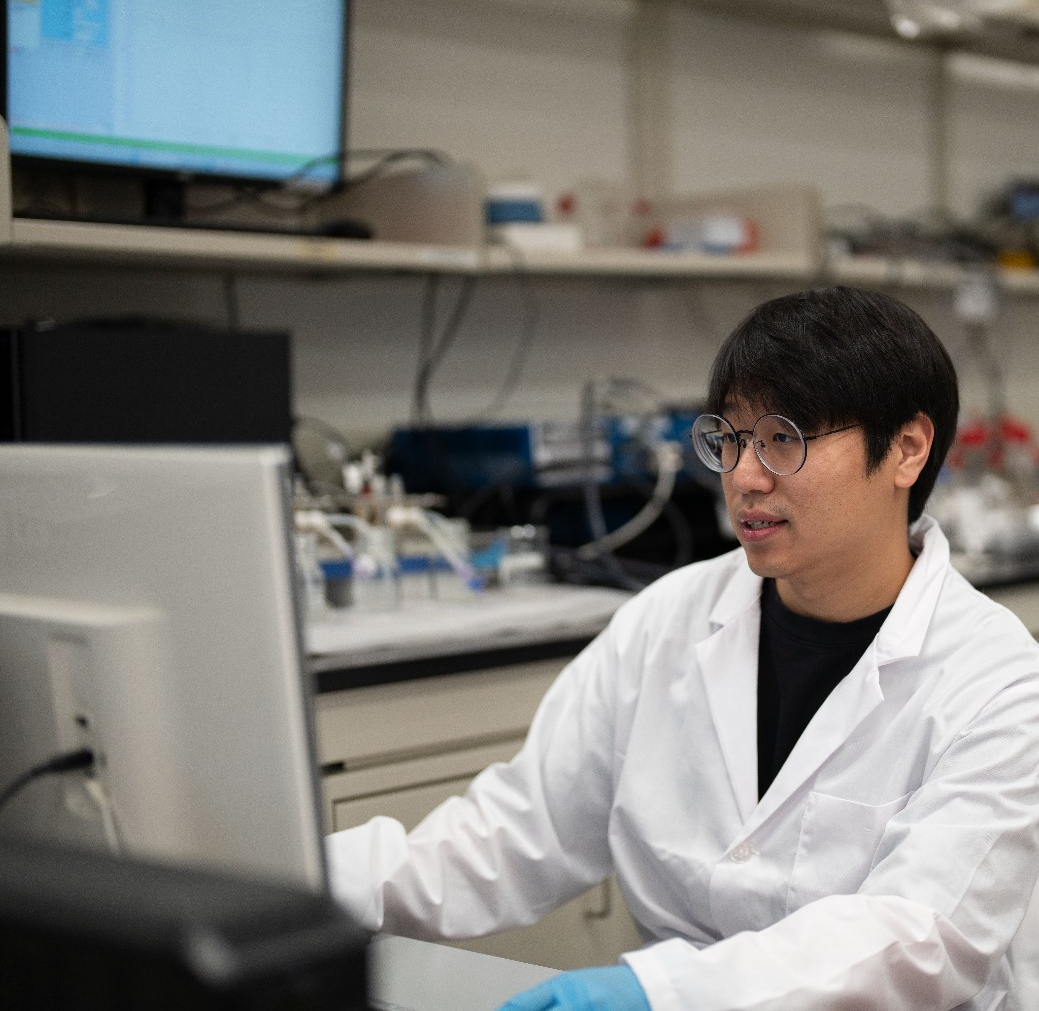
x,y
143,381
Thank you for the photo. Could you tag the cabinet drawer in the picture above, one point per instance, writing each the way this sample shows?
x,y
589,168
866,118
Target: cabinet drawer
x,y
367,792
382,723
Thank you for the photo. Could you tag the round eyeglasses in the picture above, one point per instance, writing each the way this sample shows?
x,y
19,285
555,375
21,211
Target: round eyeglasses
x,y
778,443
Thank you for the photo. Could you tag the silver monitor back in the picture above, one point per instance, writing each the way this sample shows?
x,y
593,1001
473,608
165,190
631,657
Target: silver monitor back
x,y
148,610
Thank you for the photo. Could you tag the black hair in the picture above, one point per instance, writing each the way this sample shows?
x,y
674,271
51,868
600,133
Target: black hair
x,y
839,356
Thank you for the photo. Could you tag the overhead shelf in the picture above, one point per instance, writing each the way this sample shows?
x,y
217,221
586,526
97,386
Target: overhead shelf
x,y
897,272
208,248
205,249
786,219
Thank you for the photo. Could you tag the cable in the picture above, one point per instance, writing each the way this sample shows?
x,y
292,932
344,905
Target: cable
x,y
70,761
531,317
391,157
99,795
668,457
592,498
432,349
431,525
258,193
426,341
314,521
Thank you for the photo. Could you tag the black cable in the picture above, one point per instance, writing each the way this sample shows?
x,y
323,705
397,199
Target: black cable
x,y
432,351
426,341
531,317
256,192
68,762
388,158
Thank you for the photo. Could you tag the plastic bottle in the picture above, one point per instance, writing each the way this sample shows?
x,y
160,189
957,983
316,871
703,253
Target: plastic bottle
x,y
311,575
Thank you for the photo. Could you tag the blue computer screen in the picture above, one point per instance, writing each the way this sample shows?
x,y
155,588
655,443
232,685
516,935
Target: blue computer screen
x,y
238,88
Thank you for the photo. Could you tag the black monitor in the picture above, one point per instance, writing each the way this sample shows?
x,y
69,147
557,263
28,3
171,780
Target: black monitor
x,y
238,90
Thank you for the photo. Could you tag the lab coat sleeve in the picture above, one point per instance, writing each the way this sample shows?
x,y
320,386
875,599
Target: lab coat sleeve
x,y
526,837
948,888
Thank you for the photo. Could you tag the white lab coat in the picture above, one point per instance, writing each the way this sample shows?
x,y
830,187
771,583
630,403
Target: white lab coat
x,y
888,865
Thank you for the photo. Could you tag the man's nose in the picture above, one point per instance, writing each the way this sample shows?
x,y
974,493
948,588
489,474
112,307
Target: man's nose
x,y
750,474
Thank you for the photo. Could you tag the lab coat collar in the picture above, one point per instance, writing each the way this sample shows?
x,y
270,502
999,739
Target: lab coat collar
x,y
728,660
902,634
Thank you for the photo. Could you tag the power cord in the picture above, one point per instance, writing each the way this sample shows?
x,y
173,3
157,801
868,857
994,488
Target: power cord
x,y
433,347
70,761
258,193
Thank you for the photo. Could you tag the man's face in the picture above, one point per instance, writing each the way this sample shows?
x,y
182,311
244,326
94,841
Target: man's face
x,y
817,531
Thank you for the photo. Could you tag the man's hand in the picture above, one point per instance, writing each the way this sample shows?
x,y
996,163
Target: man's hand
x,y
614,988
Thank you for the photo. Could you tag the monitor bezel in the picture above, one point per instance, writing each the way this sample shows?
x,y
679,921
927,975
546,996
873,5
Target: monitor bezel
x,y
152,652
152,174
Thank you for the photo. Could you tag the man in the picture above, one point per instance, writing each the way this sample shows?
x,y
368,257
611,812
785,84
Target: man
x,y
812,763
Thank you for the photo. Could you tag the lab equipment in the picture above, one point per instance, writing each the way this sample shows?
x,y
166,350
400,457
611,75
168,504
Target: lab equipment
x,y
987,499
404,552
238,92
509,202
718,234
521,454
144,380
524,558
311,575
613,449
598,483
148,612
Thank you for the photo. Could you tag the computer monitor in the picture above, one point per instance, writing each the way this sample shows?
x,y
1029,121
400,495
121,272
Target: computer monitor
x,y
148,611
241,89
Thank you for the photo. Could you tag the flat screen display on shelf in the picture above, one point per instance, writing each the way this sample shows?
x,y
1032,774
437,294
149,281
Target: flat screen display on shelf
x,y
241,89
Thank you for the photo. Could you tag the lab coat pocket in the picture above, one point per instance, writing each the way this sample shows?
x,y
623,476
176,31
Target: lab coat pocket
x,y
835,851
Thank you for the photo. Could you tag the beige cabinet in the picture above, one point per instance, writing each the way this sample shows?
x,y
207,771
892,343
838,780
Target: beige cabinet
x,y
400,749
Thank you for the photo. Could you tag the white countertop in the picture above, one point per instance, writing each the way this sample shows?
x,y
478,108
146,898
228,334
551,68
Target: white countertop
x,y
492,619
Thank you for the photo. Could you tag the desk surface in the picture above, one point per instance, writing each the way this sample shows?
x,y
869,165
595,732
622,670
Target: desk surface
x,y
408,975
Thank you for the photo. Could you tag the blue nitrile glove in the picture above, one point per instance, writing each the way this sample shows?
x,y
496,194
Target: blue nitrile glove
x,y
612,988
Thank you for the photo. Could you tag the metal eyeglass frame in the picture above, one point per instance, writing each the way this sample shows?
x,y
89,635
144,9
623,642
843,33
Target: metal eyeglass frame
x,y
741,435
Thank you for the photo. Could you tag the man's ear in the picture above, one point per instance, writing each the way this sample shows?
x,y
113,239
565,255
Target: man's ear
x,y
911,448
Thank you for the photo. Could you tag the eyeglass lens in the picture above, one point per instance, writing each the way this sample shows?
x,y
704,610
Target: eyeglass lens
x,y
777,442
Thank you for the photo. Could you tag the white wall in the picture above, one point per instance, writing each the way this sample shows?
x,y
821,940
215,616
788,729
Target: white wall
x,y
754,103
544,89
524,89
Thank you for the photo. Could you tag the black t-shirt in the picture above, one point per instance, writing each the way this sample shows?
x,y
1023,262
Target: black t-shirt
x,y
800,661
